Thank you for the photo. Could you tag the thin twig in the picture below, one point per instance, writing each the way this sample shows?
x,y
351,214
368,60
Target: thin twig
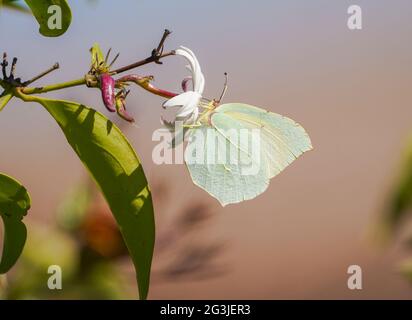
x,y
107,55
4,64
142,62
114,60
156,55
166,33
13,68
41,75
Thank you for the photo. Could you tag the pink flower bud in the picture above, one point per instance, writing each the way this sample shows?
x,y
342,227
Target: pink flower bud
x,y
144,82
107,84
185,83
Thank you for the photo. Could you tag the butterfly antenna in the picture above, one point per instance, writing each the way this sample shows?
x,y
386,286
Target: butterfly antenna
x,y
224,88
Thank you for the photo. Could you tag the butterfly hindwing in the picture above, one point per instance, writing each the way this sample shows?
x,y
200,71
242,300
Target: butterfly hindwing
x,y
218,165
282,139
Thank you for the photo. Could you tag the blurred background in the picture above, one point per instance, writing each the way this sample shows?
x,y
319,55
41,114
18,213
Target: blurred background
x,y
329,210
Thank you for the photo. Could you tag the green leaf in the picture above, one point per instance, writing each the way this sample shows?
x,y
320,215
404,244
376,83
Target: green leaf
x,y
14,204
52,24
72,210
4,99
14,5
400,200
115,167
405,268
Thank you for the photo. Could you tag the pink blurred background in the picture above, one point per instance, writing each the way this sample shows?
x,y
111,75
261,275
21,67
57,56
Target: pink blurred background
x,y
349,89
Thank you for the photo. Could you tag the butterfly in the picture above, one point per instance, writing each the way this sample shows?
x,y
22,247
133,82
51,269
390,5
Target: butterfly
x,y
235,149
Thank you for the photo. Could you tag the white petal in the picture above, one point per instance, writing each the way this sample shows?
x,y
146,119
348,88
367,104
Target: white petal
x,y
181,99
201,86
190,107
199,82
188,110
193,117
191,59
197,75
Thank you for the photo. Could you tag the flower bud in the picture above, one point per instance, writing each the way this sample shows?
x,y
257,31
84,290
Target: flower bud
x,y
144,82
107,84
121,106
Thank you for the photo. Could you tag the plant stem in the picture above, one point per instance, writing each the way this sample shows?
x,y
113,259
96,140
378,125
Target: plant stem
x,y
142,62
155,57
82,81
159,48
4,65
54,87
18,92
44,73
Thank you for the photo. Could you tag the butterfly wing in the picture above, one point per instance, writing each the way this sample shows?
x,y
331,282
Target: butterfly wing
x,y
232,135
209,158
282,139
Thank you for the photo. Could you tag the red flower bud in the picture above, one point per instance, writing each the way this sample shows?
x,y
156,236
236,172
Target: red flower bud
x,y
185,83
144,82
107,84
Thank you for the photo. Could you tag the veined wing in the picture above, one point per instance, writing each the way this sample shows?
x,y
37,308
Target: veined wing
x,y
222,165
282,139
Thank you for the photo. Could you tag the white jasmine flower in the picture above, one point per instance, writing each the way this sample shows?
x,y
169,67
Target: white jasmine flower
x,y
190,100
